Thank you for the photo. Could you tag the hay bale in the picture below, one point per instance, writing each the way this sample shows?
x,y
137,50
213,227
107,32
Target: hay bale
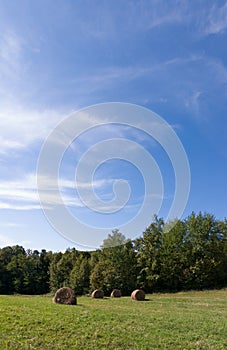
x,y
116,293
65,295
97,294
138,294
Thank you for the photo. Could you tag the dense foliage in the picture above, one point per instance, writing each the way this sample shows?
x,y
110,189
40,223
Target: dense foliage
x,y
191,254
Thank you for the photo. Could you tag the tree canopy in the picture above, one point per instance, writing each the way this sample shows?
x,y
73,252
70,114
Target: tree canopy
x,y
191,255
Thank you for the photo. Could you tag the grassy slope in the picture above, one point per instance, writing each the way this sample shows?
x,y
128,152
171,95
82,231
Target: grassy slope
x,y
192,320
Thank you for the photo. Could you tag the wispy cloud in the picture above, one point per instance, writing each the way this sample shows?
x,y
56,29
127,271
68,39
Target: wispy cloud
x,y
15,206
217,69
192,102
19,194
164,13
141,15
5,240
10,53
208,18
20,127
112,77
216,21
10,224
23,194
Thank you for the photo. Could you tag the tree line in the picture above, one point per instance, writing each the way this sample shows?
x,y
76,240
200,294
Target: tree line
x,y
167,257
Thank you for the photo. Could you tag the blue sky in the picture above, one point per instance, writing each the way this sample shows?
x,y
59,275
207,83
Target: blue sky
x,y
57,57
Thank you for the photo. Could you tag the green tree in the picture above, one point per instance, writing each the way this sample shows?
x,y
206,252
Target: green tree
x,y
55,281
115,268
61,267
80,274
6,283
16,267
30,273
113,240
5,280
43,271
148,255
173,257
206,242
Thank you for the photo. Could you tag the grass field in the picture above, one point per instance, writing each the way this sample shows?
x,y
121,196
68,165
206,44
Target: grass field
x,y
192,320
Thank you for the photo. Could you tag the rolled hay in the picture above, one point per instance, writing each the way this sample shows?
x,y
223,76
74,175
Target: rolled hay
x,y
116,293
138,294
65,295
97,294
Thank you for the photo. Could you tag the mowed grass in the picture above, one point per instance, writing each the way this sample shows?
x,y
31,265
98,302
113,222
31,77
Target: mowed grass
x,y
191,320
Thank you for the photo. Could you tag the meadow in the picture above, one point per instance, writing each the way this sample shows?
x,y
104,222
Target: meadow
x,y
186,320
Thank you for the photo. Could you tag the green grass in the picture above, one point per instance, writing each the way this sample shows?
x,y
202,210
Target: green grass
x,y
192,320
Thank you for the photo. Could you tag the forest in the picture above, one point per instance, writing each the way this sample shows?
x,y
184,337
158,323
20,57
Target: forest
x,y
189,255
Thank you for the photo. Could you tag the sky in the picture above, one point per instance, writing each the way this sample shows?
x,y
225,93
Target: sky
x,y
59,58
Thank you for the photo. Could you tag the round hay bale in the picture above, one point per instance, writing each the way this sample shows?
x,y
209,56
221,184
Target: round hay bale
x,y
138,294
116,293
65,295
97,294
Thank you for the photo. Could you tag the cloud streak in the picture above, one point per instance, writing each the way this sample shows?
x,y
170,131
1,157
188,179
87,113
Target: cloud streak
x,y
20,127
216,20
5,240
11,47
23,195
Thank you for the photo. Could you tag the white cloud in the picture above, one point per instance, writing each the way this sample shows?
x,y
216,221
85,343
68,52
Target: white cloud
x,y
218,70
23,195
208,19
10,224
165,14
19,194
10,54
108,77
68,184
15,206
5,240
21,127
130,17
192,101
216,20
